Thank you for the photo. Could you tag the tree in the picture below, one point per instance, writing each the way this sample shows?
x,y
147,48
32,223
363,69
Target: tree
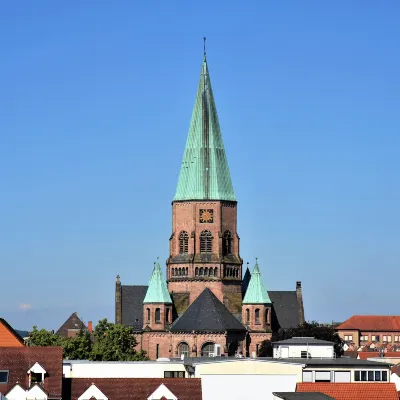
x,y
308,329
265,349
43,337
115,343
78,347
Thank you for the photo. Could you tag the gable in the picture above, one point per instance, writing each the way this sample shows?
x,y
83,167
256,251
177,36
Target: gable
x,y
93,392
16,393
36,392
162,392
71,326
8,336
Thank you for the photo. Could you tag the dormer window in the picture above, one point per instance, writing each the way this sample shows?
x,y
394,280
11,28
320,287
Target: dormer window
x,y
36,374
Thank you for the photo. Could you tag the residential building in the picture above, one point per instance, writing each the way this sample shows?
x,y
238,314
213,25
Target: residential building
x,y
8,336
303,347
72,326
204,267
31,372
135,389
353,391
363,329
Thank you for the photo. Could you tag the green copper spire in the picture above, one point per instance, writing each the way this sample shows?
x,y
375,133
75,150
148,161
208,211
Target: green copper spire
x,y
256,292
157,291
204,172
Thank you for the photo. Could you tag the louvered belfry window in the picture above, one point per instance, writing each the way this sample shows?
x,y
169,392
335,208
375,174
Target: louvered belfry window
x,y
227,243
206,242
183,242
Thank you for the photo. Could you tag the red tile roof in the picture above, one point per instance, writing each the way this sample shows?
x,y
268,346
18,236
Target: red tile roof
x,y
396,370
138,388
352,391
18,360
363,355
8,336
378,323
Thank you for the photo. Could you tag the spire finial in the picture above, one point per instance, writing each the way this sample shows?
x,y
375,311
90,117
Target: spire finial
x,y
256,260
204,38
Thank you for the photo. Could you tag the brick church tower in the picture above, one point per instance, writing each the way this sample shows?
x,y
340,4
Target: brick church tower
x,y
204,245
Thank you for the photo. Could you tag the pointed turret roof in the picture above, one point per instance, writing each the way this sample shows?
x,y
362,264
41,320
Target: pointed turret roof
x,y
207,314
256,292
204,172
157,291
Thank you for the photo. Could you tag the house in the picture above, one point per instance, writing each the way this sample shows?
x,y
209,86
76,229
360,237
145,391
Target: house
x,y
31,372
8,336
135,389
363,329
204,267
72,326
352,391
303,347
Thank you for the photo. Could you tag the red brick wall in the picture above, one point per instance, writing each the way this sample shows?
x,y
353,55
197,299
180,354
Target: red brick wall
x,y
264,319
256,338
163,315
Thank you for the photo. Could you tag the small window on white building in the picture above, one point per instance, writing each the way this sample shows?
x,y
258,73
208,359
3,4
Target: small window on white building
x,y
322,376
307,376
342,376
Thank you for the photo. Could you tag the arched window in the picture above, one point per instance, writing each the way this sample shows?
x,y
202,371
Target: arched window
x,y
167,315
211,271
173,271
158,315
201,271
266,316
148,315
206,242
227,243
215,271
183,242
247,316
206,349
180,272
205,271
183,348
196,271
257,315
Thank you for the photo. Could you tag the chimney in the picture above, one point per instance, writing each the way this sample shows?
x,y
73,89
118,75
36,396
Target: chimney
x,y
299,295
90,326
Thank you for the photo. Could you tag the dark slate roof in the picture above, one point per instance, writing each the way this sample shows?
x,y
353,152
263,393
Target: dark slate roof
x,y
132,305
304,340
72,323
207,314
302,396
286,309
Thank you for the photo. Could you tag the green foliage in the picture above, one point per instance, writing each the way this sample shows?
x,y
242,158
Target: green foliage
x,y
43,338
115,343
312,329
109,342
265,349
78,347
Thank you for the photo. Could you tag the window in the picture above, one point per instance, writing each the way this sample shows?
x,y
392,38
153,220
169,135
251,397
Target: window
x,y
257,316
363,375
396,338
183,348
3,376
158,316
157,350
227,243
357,376
247,316
266,316
384,376
364,338
174,374
384,338
207,349
36,377
348,338
305,354
148,315
307,376
322,376
206,242
257,348
378,376
215,271
167,315
370,376
196,271
183,242
375,338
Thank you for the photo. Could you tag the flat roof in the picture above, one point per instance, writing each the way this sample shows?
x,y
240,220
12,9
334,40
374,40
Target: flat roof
x,y
304,341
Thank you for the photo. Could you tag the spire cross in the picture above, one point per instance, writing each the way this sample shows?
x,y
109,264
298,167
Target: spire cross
x,y
204,38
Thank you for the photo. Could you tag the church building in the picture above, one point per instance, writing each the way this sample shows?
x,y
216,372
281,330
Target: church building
x,y
206,306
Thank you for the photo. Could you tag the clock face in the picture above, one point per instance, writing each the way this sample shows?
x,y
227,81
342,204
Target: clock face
x,y
206,216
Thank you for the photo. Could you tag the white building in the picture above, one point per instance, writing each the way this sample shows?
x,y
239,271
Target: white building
x,y
303,347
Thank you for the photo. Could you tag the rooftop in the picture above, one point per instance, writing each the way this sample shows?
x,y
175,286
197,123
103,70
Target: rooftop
x,y
304,341
302,396
352,391
371,323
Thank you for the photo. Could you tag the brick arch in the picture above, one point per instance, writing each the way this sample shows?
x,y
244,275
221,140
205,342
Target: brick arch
x,y
179,344
204,343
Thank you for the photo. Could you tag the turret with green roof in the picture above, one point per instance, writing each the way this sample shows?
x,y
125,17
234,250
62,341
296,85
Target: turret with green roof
x,y
204,172
157,291
256,292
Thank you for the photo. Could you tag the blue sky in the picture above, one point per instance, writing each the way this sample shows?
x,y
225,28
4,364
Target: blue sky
x,y
95,104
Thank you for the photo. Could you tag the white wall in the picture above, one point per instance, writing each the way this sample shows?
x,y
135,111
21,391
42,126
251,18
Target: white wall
x,y
149,369
294,351
394,378
246,387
